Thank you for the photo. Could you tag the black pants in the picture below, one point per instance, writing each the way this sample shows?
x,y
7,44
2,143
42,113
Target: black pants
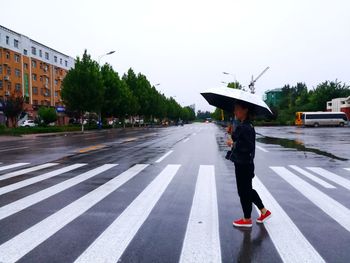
x,y
247,195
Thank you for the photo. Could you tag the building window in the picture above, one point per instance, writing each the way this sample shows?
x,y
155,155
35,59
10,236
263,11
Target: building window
x,y
25,65
33,50
34,77
33,63
8,55
35,91
55,59
41,78
17,58
47,80
0,84
18,87
66,63
47,55
35,102
8,71
56,93
8,85
17,72
56,81
0,69
61,61
25,52
7,40
15,43
40,53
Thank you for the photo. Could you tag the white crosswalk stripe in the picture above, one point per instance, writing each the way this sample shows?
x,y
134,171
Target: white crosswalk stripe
x,y
33,180
282,230
331,176
20,245
312,177
27,170
15,165
30,200
164,156
334,209
110,245
202,241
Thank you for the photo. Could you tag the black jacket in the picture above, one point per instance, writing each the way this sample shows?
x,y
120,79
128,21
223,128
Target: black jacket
x,y
243,137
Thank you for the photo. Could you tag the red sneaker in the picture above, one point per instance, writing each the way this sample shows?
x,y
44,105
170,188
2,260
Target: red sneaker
x,y
262,218
242,223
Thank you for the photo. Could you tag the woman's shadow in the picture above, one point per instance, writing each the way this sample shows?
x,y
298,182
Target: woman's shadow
x,y
250,246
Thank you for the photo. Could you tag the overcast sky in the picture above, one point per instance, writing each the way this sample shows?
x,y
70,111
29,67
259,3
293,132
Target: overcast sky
x,y
186,44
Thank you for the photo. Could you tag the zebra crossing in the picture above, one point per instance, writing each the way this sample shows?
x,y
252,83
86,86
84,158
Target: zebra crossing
x,y
201,242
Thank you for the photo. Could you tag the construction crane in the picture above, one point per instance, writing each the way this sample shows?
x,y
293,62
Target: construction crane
x,y
252,83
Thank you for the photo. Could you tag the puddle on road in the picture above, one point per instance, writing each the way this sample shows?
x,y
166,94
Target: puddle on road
x,y
297,145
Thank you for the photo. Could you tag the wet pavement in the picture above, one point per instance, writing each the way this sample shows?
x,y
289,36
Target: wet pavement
x,y
168,195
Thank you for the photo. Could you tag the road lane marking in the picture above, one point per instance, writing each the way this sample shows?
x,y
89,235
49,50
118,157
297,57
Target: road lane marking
x,y
202,240
289,242
164,156
312,177
15,165
331,176
33,180
37,197
92,148
186,140
131,139
96,137
111,244
26,170
334,209
13,149
348,169
261,148
20,245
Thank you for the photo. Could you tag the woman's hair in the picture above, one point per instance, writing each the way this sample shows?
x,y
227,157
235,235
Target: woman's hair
x,y
250,107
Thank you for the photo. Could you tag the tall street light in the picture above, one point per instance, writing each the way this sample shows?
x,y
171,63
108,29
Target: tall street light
x,y
98,61
103,55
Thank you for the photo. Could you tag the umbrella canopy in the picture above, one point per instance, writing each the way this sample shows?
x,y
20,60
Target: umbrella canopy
x,y
226,98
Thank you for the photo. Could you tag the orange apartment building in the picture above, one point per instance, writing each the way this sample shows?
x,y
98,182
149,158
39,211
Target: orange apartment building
x,y
32,70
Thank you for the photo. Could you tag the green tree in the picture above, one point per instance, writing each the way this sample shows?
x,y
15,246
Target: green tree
x,y
12,107
113,97
234,85
326,91
82,88
47,115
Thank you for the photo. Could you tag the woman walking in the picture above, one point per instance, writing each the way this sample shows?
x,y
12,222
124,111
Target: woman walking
x,y
243,153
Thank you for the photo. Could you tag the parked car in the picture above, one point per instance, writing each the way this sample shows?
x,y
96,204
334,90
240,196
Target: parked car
x,y
28,123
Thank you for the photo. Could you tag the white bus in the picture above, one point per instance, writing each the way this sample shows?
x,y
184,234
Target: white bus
x,y
319,118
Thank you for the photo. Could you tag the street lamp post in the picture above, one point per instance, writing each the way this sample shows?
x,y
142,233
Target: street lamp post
x,y
98,61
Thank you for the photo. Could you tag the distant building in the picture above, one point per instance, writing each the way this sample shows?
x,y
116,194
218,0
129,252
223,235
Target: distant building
x,y
340,104
31,69
273,97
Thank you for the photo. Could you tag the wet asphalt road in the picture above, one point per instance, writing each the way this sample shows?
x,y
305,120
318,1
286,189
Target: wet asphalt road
x,y
168,195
